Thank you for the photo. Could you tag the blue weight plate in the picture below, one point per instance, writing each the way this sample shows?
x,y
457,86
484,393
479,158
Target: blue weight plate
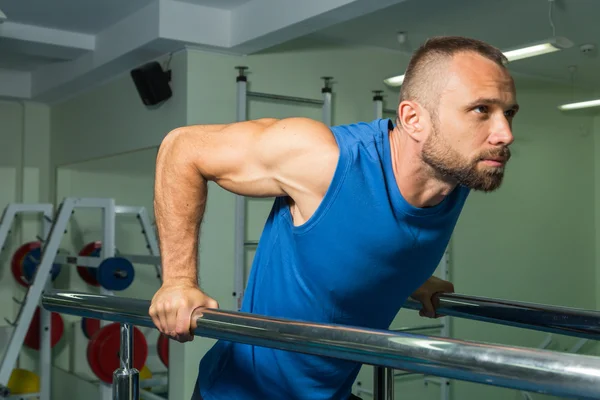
x,y
115,273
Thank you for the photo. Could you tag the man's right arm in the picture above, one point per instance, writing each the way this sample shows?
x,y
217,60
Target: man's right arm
x,y
294,157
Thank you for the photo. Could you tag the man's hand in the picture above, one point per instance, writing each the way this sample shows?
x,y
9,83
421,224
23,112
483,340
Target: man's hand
x,y
172,306
428,296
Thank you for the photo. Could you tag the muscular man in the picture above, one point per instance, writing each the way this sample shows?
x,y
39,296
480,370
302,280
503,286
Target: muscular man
x,y
362,216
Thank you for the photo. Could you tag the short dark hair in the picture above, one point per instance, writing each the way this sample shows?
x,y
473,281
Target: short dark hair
x,y
419,78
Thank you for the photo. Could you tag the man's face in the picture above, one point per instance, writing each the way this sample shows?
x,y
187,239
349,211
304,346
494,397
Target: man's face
x,y
471,127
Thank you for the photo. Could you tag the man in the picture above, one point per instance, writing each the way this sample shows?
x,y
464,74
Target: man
x,y
362,216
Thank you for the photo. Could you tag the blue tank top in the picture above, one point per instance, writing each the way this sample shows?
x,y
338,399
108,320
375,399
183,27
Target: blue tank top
x,y
355,262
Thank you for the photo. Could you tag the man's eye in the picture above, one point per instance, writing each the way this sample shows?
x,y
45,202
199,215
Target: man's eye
x,y
510,113
482,109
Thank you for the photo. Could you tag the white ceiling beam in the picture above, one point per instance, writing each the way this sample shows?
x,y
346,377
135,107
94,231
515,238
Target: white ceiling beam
x,y
48,36
117,48
15,84
194,24
260,24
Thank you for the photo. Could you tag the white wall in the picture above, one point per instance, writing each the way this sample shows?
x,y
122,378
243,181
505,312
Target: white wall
x,y
24,169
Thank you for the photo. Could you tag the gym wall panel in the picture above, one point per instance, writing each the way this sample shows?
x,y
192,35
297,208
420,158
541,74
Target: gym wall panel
x,y
111,119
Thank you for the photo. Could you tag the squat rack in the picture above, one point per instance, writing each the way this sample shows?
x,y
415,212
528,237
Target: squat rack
x,y
243,94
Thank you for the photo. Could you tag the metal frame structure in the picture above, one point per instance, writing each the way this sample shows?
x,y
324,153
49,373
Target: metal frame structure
x,y
45,352
51,240
243,94
532,370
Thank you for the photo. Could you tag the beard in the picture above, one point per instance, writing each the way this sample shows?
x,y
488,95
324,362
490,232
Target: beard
x,y
451,165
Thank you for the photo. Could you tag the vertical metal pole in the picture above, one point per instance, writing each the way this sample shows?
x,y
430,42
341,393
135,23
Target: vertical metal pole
x,y
378,383
378,100
240,203
45,324
445,383
108,250
326,90
126,380
389,382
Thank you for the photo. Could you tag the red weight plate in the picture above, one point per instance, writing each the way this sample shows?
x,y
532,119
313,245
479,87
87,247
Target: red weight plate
x,y
17,261
84,272
103,351
32,339
90,326
162,347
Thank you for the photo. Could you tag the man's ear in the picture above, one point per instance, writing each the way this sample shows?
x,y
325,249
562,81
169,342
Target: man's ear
x,y
412,118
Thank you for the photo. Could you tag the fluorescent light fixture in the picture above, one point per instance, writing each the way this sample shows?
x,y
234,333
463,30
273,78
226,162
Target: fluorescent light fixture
x,y
537,49
2,17
394,80
582,104
531,50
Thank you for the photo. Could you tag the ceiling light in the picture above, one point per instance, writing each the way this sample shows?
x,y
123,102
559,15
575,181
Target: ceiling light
x,y
530,50
2,17
537,49
582,104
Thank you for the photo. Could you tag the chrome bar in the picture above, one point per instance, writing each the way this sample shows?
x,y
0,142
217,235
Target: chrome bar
x,y
418,328
290,99
532,370
553,319
126,380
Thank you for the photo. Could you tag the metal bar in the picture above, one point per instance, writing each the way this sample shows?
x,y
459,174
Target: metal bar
x,y
543,371
545,318
418,328
126,380
389,111
45,318
108,250
445,332
239,252
251,243
389,383
128,210
279,97
83,261
378,101
378,383
326,91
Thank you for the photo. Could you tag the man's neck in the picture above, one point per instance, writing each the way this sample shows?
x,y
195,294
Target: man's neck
x,y
415,179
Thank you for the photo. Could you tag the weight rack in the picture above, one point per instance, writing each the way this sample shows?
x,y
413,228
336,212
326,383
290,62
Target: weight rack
x,y
45,354
52,237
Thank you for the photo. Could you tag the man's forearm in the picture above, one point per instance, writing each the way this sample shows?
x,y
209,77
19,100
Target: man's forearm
x,y
179,202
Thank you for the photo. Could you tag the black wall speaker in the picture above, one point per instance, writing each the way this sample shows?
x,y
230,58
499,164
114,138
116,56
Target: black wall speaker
x,y
152,83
